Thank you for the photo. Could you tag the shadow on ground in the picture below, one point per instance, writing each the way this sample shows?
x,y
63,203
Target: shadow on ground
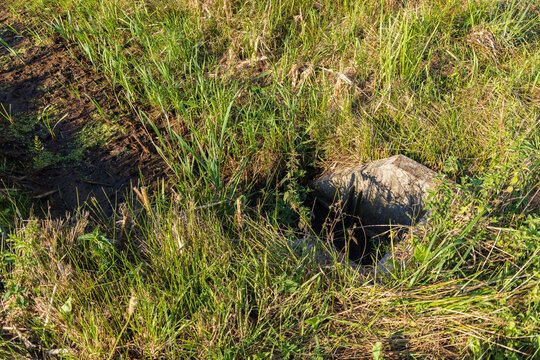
x,y
63,136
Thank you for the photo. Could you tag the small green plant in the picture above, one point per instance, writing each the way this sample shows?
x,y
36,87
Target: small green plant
x,y
98,251
39,150
47,115
6,113
12,51
287,202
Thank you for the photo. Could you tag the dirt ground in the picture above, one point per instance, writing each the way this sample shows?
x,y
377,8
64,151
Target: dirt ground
x,y
54,142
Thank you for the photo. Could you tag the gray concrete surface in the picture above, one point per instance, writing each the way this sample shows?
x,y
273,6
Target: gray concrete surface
x,y
388,192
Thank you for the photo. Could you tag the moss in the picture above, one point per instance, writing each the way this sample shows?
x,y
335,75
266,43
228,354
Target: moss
x,y
96,135
32,128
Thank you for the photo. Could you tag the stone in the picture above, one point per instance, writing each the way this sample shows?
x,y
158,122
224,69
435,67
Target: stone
x,y
392,190
385,194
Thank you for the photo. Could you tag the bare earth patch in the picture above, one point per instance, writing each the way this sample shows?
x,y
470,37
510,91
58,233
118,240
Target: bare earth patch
x,y
63,135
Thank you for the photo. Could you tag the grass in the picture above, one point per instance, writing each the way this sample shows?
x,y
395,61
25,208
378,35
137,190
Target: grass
x,y
248,102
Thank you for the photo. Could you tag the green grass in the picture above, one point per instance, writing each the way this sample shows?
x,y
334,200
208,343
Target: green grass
x,y
248,102
357,80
